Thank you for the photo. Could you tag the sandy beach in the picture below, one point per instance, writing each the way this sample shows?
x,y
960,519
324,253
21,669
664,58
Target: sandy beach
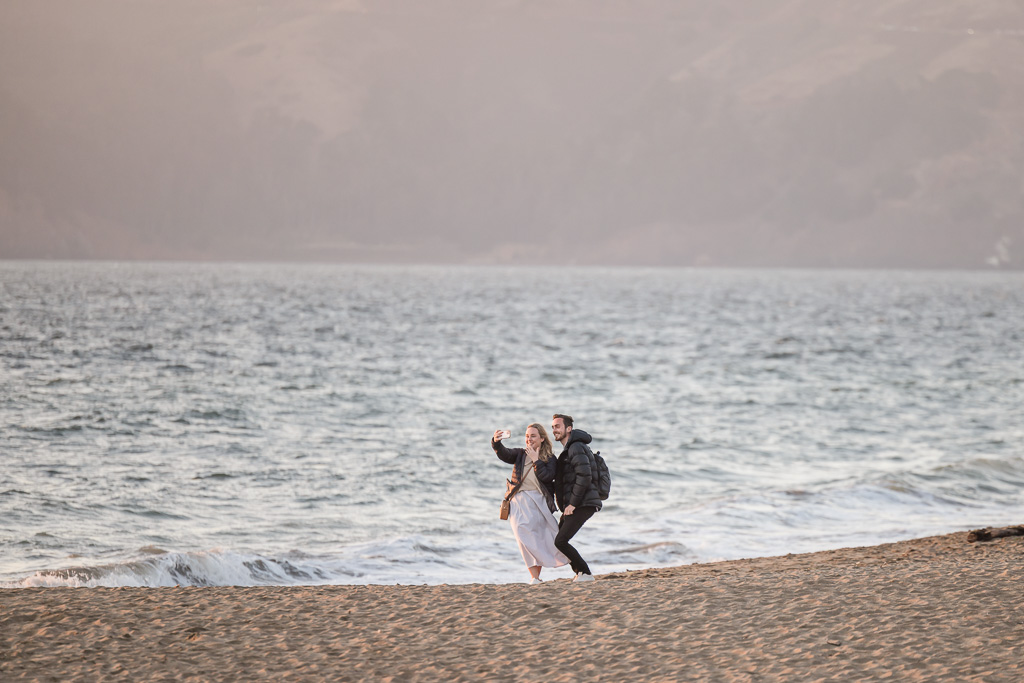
x,y
936,608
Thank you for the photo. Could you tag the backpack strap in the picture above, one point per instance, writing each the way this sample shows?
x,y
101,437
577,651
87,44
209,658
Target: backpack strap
x,y
595,475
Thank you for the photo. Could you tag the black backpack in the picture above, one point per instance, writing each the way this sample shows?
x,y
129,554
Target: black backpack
x,y
599,474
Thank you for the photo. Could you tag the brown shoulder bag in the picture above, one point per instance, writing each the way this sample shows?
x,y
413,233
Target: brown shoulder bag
x,y
510,490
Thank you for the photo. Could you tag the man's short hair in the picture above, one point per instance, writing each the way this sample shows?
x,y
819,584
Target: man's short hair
x,y
566,420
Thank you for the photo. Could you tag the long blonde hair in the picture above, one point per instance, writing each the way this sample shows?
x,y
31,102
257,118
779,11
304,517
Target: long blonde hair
x,y
546,453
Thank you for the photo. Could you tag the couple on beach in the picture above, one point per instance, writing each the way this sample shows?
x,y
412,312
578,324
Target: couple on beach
x,y
539,480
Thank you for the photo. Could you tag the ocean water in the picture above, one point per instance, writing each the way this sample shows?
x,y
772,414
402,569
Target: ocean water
x,y
224,424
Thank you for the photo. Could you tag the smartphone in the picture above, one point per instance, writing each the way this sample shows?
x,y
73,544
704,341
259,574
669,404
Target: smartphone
x,y
506,434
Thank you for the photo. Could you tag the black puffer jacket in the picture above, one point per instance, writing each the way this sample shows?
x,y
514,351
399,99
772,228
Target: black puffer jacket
x,y
517,458
574,484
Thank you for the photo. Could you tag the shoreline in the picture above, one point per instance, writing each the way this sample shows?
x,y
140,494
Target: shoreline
x,y
929,608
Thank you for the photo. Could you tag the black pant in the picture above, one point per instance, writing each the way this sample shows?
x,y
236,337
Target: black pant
x,y
568,525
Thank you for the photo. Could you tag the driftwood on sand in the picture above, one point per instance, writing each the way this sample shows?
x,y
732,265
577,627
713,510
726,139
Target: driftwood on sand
x,y
989,534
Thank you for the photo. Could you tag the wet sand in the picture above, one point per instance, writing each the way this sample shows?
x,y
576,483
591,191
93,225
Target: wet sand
x,y
930,609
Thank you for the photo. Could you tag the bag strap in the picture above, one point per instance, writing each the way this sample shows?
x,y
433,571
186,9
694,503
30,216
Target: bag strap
x,y
512,491
515,489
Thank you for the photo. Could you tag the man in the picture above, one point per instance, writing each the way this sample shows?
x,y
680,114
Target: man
x,y
575,491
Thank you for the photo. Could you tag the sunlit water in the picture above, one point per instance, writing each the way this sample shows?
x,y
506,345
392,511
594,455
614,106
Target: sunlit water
x,y
245,424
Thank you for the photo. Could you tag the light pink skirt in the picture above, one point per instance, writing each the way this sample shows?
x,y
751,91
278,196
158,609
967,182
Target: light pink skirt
x,y
535,528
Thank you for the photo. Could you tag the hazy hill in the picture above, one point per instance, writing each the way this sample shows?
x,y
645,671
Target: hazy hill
x,y
740,132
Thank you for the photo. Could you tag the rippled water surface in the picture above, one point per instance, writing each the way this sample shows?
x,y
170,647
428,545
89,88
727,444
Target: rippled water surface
x,y
245,424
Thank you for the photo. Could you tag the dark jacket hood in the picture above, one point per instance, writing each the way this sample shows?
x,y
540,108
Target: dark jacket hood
x,y
578,435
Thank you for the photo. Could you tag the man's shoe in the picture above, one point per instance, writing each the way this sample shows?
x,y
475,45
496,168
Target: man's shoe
x,y
583,578
534,582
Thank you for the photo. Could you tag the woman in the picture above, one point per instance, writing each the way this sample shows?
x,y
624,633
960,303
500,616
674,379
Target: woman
x,y
531,508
